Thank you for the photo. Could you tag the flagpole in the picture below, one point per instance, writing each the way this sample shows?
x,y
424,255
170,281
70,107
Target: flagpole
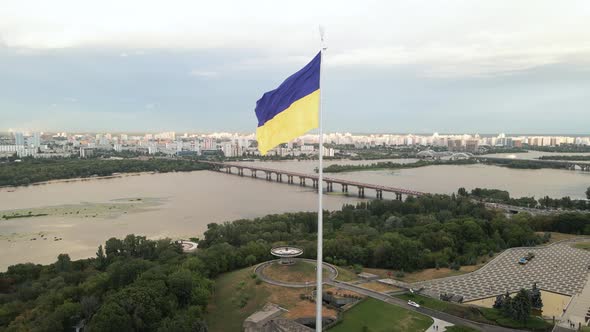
x,y
319,263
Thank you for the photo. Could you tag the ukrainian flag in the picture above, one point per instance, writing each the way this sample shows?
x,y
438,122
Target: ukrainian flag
x,y
290,110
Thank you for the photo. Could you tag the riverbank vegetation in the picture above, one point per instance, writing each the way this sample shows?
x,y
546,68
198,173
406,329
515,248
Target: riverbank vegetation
x,y
30,170
560,148
141,284
523,164
566,158
496,150
351,152
509,163
503,197
419,233
391,165
133,284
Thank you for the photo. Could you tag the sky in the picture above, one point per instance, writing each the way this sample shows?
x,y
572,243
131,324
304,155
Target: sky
x,y
407,66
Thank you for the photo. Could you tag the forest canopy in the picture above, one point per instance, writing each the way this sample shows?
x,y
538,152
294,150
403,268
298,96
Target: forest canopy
x,y
151,285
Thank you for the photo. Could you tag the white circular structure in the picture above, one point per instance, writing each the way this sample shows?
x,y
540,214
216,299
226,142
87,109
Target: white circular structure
x,y
188,246
286,254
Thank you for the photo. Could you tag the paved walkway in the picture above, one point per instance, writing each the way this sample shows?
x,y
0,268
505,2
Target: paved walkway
x,y
557,268
437,315
259,270
438,325
577,310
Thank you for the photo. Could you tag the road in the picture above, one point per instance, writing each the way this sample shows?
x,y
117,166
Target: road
x,y
429,312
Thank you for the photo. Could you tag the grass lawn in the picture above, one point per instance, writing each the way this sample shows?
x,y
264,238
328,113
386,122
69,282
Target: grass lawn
x,y
379,287
376,316
237,295
301,271
227,310
483,315
583,245
426,274
432,273
345,274
555,236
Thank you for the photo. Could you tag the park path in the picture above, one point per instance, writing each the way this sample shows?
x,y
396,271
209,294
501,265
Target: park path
x,y
577,310
425,311
449,319
438,325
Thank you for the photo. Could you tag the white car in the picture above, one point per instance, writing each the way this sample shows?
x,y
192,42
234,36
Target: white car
x,y
413,304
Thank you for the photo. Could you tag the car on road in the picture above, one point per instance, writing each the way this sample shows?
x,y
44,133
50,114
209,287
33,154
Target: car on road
x,y
413,304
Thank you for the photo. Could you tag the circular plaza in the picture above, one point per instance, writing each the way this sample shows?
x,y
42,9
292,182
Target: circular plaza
x,y
290,271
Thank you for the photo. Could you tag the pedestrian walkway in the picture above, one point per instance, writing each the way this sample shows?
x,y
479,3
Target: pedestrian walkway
x,y
438,325
578,311
558,268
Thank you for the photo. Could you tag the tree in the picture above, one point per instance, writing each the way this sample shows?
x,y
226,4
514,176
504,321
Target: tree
x,y
101,259
180,284
183,322
499,303
113,248
88,306
462,192
250,260
521,305
588,193
507,306
124,272
63,264
536,301
111,317
145,304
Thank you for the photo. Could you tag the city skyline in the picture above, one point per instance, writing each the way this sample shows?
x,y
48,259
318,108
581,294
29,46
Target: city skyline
x,y
390,67
62,144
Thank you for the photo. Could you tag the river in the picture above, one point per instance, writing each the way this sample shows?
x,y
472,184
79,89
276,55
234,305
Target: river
x,y
83,214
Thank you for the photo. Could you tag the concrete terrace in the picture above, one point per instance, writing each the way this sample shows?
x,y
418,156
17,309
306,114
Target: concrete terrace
x,y
558,268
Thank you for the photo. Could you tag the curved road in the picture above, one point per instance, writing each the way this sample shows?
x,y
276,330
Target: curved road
x,y
380,296
258,270
429,312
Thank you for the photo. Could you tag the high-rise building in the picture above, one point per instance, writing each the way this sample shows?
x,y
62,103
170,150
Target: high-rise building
x,y
455,145
86,152
19,138
472,145
36,140
209,144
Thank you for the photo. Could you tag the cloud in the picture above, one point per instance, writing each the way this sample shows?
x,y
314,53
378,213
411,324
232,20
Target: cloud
x,y
478,59
451,39
203,73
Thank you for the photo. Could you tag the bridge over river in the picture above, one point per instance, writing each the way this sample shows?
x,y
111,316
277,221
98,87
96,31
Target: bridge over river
x,y
281,176
303,178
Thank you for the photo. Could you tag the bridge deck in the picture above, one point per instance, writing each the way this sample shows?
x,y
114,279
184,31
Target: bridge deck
x,y
376,187
326,179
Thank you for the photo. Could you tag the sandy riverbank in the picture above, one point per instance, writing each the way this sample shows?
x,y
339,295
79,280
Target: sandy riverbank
x,y
114,176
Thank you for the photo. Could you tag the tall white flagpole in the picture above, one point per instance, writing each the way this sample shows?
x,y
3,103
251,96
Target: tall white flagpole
x,y
319,263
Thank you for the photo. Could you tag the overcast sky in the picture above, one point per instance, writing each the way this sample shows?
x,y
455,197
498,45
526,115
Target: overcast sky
x,y
391,66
